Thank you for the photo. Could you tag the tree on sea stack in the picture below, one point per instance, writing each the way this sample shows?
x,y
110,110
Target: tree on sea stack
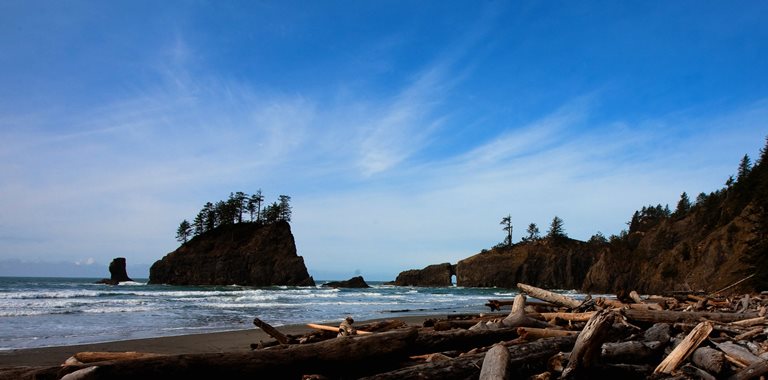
x,y
507,223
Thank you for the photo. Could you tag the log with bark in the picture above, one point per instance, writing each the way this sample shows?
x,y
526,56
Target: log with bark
x,y
344,356
685,348
524,360
586,351
546,295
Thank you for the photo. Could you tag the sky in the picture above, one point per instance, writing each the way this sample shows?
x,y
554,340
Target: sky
x,y
403,131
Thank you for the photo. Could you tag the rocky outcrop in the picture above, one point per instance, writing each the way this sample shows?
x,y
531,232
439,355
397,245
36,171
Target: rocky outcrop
x,y
354,282
117,272
238,254
433,275
551,263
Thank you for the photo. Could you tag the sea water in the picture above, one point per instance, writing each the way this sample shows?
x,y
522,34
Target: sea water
x,y
39,312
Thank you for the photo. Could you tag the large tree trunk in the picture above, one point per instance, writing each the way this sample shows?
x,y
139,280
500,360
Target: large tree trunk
x,y
546,295
586,352
347,356
524,360
669,316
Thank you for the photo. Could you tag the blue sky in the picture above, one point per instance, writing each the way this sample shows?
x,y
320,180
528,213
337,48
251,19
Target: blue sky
x,y
403,131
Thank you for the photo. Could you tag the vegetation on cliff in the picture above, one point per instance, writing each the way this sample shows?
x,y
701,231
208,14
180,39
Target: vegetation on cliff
x,y
706,243
234,210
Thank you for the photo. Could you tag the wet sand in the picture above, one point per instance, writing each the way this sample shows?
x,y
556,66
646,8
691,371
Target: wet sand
x,y
230,341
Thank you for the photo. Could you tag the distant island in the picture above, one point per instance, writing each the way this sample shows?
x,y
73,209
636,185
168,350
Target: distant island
x,y
226,248
709,243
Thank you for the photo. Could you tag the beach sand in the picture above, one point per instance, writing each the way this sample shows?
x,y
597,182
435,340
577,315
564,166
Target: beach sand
x,y
229,341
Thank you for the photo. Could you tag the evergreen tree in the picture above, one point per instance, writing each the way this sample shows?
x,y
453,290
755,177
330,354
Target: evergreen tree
x,y
683,205
210,216
272,213
198,225
284,208
184,231
254,205
239,202
556,229
533,232
745,166
507,223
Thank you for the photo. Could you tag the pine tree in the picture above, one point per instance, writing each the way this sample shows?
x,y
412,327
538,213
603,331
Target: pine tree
x,y
556,229
533,232
745,166
507,223
184,231
284,208
683,205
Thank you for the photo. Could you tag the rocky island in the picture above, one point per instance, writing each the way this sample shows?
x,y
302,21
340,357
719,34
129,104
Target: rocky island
x,y
237,254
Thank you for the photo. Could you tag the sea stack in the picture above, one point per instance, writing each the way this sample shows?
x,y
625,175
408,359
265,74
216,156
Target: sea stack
x,y
117,272
251,254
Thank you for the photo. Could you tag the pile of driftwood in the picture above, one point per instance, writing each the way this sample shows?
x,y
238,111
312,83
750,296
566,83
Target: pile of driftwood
x,y
683,336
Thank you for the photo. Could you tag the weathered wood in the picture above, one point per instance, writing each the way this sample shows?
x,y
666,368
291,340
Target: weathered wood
x,y
92,357
697,373
518,318
630,352
546,295
533,333
740,354
685,348
273,332
586,351
573,317
635,297
524,359
670,316
441,341
750,322
331,328
347,356
709,359
752,371
495,364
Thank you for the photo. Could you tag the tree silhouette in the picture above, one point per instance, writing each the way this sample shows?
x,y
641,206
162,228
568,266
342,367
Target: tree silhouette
x,y
254,205
184,231
556,229
745,166
284,208
507,223
683,205
533,232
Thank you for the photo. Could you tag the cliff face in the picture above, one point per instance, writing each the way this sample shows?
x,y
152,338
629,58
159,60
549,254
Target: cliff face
x,y
433,275
551,263
239,254
716,241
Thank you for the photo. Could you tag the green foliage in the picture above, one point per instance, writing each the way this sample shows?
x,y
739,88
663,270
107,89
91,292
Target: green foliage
x,y
745,166
683,206
184,231
556,229
533,232
232,210
598,238
507,223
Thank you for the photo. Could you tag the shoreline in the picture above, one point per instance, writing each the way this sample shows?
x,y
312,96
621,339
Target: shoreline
x,y
226,341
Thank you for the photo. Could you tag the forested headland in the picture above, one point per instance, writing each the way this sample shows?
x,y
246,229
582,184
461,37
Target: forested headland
x,y
240,207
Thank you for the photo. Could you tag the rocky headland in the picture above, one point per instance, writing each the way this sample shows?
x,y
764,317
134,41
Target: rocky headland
x,y
706,244
251,254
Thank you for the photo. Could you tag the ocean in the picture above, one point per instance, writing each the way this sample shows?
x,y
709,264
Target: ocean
x,y
40,312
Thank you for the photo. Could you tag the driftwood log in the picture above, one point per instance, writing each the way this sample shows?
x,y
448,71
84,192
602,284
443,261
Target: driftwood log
x,y
524,360
347,356
685,348
273,332
495,364
671,316
551,297
586,351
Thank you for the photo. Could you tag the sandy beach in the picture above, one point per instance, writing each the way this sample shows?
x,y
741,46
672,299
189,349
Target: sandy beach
x,y
229,341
